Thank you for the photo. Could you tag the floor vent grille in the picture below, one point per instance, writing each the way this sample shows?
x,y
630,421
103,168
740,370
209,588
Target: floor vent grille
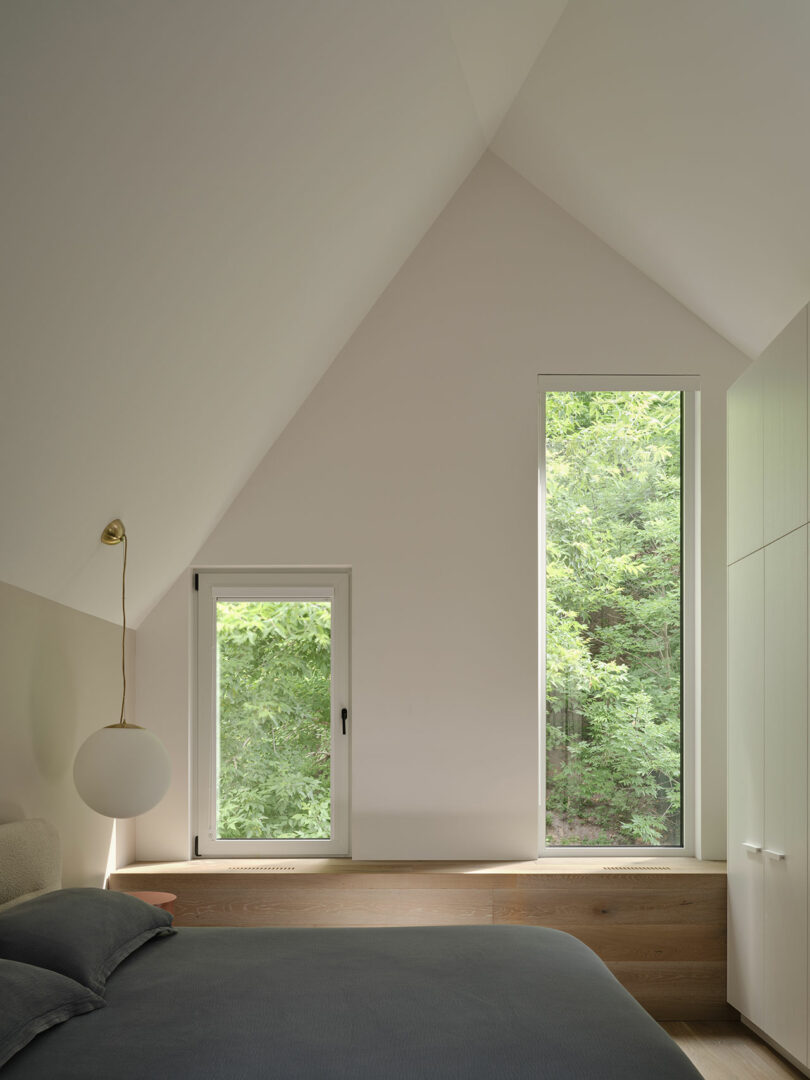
x,y
637,869
261,869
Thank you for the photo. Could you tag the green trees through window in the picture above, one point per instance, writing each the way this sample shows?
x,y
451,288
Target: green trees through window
x,y
613,618
273,670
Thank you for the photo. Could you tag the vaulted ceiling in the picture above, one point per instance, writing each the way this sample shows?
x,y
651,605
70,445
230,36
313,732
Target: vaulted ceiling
x,y
677,131
202,200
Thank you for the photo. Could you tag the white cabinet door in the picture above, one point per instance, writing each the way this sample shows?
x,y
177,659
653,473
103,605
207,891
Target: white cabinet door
x,y
784,366
745,464
746,638
784,981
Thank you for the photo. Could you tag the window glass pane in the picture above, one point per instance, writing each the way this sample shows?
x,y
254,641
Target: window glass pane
x,y
613,618
273,719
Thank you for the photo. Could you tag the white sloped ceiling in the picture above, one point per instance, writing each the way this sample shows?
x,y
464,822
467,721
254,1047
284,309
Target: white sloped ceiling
x,y
677,131
201,200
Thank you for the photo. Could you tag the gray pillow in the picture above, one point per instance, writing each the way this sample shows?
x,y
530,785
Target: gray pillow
x,y
33,999
81,933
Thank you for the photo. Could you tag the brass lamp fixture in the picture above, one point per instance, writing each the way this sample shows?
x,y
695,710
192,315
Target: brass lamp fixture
x,y
122,770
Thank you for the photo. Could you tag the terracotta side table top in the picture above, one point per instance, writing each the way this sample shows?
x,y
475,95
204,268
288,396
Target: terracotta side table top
x,y
163,900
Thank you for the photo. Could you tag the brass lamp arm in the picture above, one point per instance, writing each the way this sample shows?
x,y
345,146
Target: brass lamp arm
x,y
115,533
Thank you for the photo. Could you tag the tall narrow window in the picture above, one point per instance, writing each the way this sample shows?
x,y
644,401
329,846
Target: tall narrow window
x,y
273,714
613,664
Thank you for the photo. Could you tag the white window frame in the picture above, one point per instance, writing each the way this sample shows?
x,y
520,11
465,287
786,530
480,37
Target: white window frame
x,y
689,385
332,585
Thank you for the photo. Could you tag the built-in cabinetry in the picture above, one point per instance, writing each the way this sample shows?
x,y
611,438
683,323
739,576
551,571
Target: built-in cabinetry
x,y
659,924
768,691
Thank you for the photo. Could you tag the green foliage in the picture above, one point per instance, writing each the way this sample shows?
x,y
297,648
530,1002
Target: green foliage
x,y
613,617
274,664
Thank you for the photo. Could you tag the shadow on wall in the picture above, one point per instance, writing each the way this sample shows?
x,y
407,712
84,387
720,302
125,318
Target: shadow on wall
x,y
60,680
52,700
10,811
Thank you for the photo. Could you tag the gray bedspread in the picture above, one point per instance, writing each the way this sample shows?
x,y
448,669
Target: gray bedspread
x,y
472,1003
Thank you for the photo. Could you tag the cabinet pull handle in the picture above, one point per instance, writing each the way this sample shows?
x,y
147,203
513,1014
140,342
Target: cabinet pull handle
x,y
752,847
777,855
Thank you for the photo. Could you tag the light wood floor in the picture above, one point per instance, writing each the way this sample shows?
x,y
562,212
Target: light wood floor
x,y
725,1050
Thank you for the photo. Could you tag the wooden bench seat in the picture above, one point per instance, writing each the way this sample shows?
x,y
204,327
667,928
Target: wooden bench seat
x,y
659,924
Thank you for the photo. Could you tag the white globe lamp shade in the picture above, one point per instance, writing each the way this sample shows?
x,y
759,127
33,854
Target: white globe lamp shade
x,y
122,771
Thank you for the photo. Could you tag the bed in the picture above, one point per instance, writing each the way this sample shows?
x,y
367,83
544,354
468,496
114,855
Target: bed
x,y
240,1003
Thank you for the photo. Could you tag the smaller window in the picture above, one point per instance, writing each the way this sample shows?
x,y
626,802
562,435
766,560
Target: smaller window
x,y
272,713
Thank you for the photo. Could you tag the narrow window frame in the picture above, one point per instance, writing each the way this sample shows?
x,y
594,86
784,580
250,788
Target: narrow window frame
x,y
689,386
215,585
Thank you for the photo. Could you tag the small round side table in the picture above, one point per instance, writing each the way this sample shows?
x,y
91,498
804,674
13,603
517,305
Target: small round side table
x,y
163,900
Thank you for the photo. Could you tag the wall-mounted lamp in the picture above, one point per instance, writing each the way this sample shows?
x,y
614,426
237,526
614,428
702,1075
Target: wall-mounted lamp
x,y
122,770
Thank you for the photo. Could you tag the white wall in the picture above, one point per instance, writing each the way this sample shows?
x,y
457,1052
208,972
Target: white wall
x,y
414,462
60,680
